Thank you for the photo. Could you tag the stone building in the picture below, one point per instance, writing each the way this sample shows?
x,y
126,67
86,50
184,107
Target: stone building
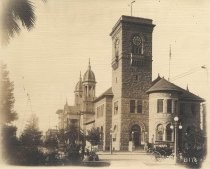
x,y
166,100
135,109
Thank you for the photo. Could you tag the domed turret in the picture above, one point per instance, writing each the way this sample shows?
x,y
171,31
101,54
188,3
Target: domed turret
x,y
78,92
88,83
78,87
89,76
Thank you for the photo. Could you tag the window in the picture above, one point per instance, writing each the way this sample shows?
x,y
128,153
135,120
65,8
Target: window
x,y
97,111
175,106
168,133
102,134
100,111
116,107
116,50
193,108
139,106
159,132
182,108
115,133
132,106
86,90
135,78
169,106
160,105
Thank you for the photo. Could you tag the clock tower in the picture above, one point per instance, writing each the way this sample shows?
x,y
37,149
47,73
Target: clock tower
x,y
131,78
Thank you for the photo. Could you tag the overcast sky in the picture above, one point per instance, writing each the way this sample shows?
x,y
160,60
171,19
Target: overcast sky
x,y
47,60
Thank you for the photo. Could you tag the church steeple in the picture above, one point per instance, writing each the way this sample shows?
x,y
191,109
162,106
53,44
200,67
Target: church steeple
x,y
66,105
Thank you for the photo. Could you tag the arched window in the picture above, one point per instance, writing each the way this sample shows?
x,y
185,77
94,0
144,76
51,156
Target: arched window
x,y
102,133
168,133
116,45
115,133
159,132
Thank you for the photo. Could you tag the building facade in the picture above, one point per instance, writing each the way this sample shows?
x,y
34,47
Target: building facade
x,y
135,110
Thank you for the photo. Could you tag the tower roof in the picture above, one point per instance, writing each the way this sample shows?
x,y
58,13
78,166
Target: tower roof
x,y
162,85
89,76
132,20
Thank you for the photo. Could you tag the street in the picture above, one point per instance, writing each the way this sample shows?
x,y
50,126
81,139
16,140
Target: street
x,y
136,160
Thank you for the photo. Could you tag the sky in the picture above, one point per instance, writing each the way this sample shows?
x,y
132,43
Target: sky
x,y
46,62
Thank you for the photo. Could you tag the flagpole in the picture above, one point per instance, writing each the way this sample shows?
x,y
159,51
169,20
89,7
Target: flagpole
x,y
169,65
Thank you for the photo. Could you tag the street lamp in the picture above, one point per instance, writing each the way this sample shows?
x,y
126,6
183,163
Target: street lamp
x,y
174,126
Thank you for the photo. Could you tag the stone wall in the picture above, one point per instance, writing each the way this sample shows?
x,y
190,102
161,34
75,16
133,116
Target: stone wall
x,y
104,121
131,82
186,117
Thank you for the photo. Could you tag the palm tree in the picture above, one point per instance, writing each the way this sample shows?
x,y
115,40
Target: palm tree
x,y
14,13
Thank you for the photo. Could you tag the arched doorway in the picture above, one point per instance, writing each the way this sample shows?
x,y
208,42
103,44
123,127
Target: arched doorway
x,y
136,135
159,132
169,133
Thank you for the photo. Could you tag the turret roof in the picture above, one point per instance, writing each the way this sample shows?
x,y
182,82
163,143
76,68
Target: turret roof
x,y
162,85
89,76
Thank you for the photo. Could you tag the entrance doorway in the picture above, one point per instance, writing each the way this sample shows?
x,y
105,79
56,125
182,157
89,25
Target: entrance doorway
x,y
136,135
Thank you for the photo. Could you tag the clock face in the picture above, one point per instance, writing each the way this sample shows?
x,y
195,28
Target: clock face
x,y
137,41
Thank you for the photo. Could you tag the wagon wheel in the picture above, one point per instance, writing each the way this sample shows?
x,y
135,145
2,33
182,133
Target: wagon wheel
x,y
157,156
150,151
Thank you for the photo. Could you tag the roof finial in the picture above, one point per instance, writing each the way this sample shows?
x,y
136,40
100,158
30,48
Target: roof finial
x,y
66,101
187,88
80,76
89,66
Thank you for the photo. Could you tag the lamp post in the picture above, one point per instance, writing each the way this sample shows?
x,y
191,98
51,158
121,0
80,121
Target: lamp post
x,y
175,126
132,135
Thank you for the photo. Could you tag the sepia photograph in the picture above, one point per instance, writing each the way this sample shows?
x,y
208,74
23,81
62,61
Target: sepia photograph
x,y
104,84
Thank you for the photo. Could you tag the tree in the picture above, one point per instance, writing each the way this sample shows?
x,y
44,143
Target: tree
x,y
51,142
31,136
94,136
30,141
74,142
194,147
7,116
10,144
14,13
7,99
